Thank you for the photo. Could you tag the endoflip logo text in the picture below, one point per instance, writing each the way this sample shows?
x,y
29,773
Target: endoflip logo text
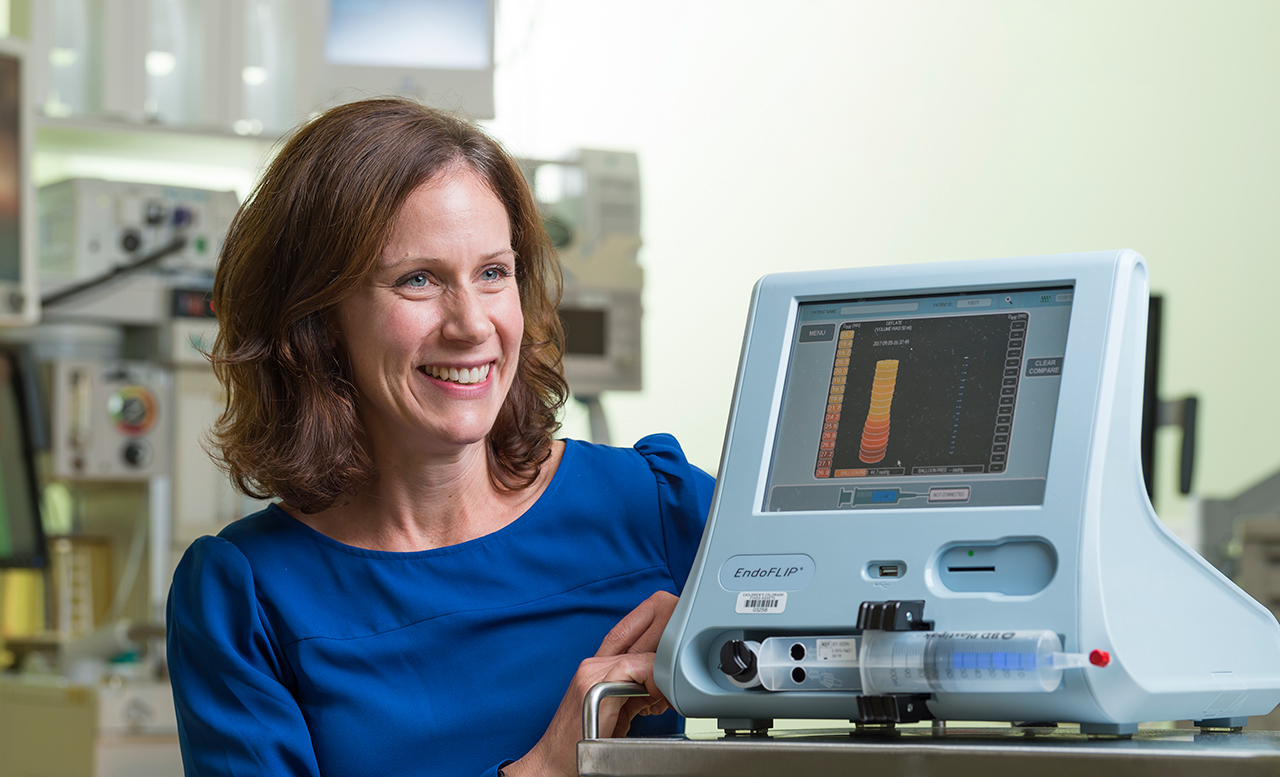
x,y
780,571
768,572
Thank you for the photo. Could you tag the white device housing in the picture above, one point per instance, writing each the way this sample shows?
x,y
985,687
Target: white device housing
x,y
89,226
1185,642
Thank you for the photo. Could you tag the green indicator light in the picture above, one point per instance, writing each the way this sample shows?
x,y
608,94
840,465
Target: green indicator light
x,y
970,553
201,244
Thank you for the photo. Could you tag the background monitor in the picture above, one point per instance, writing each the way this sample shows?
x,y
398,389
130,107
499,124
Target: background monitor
x,y
437,51
19,298
22,541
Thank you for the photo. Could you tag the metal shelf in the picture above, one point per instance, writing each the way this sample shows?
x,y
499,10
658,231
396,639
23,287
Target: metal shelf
x,y
991,752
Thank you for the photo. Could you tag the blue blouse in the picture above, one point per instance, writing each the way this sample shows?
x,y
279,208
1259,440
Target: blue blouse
x,y
293,654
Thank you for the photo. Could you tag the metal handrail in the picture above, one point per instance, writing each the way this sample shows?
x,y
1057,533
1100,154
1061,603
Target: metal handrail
x,y
598,693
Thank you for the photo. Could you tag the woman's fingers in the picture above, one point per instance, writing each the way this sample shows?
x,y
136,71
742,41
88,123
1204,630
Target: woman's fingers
x,y
641,630
556,752
616,713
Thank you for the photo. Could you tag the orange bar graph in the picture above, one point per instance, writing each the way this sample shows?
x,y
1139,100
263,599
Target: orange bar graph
x,y
875,434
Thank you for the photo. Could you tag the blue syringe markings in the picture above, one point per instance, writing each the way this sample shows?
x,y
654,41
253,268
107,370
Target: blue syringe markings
x,y
993,660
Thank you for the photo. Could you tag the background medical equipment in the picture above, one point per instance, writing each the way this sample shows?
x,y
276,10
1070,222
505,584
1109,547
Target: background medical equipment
x,y
1158,412
257,67
952,449
127,270
19,300
590,203
22,541
90,226
438,53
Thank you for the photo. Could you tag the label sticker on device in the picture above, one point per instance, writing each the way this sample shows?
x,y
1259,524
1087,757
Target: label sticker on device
x,y
843,650
758,601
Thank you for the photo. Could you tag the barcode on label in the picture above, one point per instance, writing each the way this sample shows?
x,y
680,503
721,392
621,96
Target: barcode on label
x,y
761,601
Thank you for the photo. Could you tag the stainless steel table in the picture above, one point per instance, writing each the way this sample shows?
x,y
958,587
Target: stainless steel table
x,y
922,752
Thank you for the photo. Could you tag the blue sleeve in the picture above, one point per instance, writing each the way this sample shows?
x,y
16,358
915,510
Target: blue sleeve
x,y
684,499
235,715
236,712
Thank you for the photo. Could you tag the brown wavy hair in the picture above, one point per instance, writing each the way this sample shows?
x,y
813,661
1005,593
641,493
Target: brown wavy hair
x,y
308,236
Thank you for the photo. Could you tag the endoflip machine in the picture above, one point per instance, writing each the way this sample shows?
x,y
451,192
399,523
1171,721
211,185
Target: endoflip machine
x,y
930,505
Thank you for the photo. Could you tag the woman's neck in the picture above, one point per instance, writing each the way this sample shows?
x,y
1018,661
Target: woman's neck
x,y
420,503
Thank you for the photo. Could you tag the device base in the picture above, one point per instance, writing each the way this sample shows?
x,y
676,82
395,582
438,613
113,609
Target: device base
x,y
756,727
1109,729
1231,724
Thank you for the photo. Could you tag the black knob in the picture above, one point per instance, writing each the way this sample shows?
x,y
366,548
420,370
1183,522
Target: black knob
x,y
131,240
137,453
738,661
154,213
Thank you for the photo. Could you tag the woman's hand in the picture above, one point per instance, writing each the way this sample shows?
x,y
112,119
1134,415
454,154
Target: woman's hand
x,y
626,655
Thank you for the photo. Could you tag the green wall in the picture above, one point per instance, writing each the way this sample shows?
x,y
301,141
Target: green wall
x,y
823,134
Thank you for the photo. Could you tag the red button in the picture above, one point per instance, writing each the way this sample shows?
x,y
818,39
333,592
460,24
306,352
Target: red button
x,y
1099,658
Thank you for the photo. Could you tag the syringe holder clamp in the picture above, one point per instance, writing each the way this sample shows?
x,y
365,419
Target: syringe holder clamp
x,y
894,708
893,615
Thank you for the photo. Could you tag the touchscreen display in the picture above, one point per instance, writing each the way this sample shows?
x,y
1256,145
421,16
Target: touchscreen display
x,y
931,401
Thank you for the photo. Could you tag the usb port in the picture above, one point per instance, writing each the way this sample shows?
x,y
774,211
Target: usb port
x,y
882,568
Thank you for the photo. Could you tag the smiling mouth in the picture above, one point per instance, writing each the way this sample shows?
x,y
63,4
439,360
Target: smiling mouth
x,y
463,376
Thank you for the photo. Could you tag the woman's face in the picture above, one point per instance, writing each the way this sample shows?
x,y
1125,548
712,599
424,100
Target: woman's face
x,y
433,336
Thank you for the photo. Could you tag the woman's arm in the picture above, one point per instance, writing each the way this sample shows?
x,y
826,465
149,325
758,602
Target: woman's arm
x,y
235,715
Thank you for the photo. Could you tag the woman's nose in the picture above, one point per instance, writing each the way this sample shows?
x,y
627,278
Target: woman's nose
x,y
467,319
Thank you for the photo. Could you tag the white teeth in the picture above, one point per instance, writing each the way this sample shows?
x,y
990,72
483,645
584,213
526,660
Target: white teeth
x,y
464,376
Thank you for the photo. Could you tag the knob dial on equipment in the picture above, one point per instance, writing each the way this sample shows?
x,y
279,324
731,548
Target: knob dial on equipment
x,y
738,661
137,453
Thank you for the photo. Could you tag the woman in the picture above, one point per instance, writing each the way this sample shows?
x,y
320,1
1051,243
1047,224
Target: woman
x,y
441,581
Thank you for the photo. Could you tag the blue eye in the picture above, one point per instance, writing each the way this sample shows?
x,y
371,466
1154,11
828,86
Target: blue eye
x,y
417,281
494,273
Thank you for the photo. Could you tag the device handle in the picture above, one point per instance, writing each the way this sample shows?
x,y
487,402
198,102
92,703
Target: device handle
x,y
598,693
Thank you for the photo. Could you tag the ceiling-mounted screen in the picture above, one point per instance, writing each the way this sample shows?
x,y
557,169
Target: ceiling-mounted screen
x,y
437,51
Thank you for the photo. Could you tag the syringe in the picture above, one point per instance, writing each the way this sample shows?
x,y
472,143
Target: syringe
x,y
883,662
967,662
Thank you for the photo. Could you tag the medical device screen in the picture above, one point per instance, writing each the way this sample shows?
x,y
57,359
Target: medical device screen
x,y
945,400
10,169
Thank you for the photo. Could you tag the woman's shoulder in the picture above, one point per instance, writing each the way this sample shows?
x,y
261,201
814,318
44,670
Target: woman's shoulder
x,y
653,481
270,527
649,451
269,532
656,462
